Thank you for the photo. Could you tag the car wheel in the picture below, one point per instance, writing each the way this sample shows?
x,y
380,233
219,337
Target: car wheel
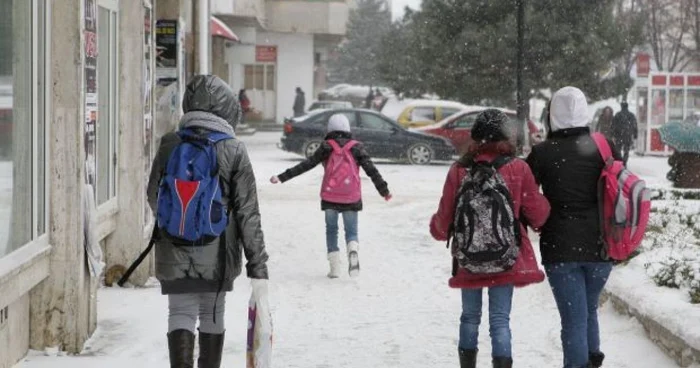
x,y
420,154
311,147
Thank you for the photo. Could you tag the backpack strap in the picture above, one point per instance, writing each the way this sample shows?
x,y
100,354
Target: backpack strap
x,y
603,148
350,145
501,161
334,145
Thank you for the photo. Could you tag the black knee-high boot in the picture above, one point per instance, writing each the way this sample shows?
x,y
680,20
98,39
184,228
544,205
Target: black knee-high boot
x,y
181,347
210,349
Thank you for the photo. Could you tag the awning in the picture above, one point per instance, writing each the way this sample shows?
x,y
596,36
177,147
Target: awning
x,y
220,29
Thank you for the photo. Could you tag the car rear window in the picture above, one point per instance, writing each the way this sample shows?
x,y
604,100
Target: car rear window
x,y
423,114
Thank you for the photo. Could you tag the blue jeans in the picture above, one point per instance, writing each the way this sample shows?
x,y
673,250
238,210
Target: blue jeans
x,y
577,287
500,301
350,223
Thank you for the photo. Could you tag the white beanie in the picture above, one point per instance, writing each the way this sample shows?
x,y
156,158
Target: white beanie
x,y
569,109
339,123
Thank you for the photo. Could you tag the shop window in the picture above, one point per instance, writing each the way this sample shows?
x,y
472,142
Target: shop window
x,y
259,77
249,78
270,78
108,100
22,123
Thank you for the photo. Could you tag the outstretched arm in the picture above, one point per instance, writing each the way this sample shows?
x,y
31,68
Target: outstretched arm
x,y
365,161
319,156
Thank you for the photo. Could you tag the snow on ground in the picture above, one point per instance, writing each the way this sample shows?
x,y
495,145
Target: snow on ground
x,y
398,313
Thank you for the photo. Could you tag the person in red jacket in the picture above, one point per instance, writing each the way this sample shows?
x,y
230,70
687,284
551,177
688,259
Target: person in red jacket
x,y
530,206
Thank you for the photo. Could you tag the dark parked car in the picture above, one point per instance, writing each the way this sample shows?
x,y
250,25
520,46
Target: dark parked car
x,y
329,105
381,136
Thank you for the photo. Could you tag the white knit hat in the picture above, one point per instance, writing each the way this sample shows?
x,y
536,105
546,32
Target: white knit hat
x,y
339,123
569,109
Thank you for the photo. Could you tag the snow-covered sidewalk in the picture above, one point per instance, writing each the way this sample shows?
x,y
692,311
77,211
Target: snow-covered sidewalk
x,y
398,313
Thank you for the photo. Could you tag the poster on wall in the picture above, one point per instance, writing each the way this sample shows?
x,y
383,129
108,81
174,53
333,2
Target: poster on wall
x,y
91,98
167,50
147,98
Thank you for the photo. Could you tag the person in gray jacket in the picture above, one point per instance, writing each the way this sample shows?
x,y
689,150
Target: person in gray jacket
x,y
194,276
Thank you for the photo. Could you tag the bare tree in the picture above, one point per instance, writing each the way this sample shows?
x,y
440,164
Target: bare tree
x,y
669,32
631,18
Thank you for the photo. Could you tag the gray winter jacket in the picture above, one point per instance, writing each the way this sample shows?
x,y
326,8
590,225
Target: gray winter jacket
x,y
213,267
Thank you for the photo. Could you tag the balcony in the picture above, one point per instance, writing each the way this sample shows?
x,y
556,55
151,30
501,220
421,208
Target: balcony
x,y
319,17
240,12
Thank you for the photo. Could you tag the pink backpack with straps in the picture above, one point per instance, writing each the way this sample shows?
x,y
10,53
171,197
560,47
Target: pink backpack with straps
x,y
341,181
624,203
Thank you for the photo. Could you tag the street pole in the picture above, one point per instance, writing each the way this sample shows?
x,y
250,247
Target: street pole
x,y
520,103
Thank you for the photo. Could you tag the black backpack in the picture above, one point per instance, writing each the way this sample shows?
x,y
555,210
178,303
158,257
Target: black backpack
x,y
485,233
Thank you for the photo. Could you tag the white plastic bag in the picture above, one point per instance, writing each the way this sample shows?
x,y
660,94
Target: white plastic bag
x,y
259,352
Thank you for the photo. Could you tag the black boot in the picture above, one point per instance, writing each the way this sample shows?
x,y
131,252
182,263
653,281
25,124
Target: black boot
x,y
181,346
502,362
210,347
467,358
595,360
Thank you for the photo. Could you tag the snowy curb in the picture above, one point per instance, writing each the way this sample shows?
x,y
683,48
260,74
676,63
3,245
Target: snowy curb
x,y
667,319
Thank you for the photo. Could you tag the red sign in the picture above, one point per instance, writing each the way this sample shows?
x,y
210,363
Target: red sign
x,y
694,80
658,80
266,54
676,80
643,64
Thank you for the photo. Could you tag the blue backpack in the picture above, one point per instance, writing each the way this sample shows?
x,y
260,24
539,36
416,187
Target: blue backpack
x,y
190,207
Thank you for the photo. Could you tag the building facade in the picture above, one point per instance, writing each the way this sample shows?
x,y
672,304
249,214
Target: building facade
x,y
87,87
282,45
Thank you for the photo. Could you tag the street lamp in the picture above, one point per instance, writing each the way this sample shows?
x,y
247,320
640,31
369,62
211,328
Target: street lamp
x,y
520,103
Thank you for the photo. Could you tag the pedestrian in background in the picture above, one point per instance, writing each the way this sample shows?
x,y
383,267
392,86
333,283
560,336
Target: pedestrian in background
x,y
299,103
624,131
605,123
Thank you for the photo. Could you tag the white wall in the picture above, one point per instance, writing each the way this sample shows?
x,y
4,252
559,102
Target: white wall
x,y
295,68
222,6
320,17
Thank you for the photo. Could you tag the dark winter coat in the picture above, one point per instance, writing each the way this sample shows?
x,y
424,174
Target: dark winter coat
x,y
605,123
568,166
299,104
624,128
685,169
530,207
323,153
214,266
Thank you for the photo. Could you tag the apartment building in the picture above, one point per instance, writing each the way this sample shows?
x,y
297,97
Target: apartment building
x,y
283,44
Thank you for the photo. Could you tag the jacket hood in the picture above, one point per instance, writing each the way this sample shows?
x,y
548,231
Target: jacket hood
x,y
569,109
208,93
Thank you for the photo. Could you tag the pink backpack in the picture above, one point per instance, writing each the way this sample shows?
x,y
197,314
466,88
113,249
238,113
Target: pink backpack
x,y
341,182
625,204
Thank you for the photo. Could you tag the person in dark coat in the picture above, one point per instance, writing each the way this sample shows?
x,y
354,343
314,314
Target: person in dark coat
x,y
605,123
491,142
568,166
193,277
299,103
339,132
624,130
369,100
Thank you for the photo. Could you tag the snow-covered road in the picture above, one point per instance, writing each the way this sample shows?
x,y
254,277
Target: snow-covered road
x,y
398,313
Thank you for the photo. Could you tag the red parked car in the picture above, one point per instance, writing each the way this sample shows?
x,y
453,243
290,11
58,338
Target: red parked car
x,y
457,128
